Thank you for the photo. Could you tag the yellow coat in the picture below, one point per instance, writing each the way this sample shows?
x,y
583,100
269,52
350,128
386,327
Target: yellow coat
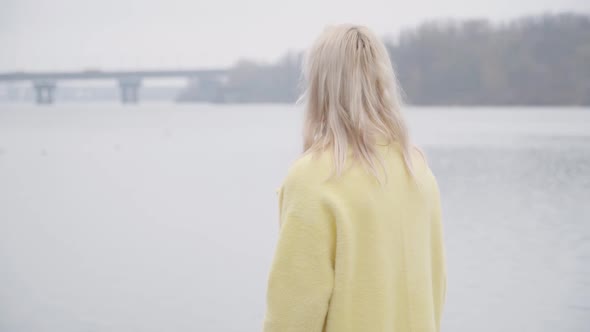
x,y
354,255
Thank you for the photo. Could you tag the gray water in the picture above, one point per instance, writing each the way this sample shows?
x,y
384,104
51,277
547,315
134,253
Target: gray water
x,y
164,218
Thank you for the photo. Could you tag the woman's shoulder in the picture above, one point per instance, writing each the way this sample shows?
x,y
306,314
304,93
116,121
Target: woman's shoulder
x,y
309,170
422,168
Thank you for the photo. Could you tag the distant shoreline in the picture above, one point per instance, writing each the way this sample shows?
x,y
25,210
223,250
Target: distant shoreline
x,y
114,102
535,61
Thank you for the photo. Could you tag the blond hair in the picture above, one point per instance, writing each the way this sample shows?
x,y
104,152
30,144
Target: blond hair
x,y
352,98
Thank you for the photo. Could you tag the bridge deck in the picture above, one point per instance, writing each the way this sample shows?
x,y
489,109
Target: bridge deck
x,y
97,74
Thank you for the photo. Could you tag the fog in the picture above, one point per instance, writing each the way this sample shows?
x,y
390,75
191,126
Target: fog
x,y
123,34
141,144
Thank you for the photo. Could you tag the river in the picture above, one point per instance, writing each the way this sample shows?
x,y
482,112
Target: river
x,y
163,217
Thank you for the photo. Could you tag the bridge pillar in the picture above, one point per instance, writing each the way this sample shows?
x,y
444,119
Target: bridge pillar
x,y
44,91
130,89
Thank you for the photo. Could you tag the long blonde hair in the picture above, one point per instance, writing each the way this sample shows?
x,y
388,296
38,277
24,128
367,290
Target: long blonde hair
x,y
352,97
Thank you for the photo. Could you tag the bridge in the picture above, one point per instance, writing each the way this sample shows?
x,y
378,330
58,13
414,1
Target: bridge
x,y
45,83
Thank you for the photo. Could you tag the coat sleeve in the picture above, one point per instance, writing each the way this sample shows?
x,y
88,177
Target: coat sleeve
x,y
301,278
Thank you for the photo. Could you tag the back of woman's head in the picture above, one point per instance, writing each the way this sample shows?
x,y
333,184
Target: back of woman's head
x,y
352,97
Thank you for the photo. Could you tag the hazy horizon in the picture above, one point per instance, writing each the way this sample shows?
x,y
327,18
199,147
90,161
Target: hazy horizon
x,y
129,34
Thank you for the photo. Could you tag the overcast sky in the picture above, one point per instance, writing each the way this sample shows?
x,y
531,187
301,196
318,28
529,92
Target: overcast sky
x,y
131,34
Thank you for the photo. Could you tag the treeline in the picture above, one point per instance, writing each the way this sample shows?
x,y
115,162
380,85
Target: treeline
x,y
542,60
538,60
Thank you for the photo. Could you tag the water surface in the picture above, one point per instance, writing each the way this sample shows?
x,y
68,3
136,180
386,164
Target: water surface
x,y
164,218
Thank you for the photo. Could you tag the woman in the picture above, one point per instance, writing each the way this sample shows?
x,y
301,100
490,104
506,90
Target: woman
x,y
360,245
